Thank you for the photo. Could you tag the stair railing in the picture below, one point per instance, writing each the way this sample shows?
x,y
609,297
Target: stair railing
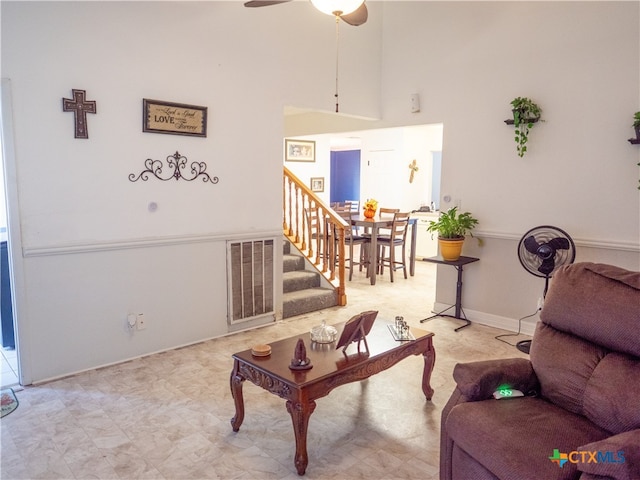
x,y
316,230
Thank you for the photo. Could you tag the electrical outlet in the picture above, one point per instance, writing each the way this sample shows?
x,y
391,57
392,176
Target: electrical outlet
x,y
540,303
142,322
131,321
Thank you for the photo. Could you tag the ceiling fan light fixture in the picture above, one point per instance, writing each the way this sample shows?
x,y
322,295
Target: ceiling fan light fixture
x,y
337,7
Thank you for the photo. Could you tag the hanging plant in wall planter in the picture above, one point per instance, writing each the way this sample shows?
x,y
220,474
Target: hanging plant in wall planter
x,y
525,114
636,126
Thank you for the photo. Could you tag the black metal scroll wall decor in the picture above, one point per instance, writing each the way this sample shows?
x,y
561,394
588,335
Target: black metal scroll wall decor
x,y
176,162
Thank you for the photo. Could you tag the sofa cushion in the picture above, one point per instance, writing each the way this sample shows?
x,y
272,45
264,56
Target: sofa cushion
x,y
514,438
623,461
563,364
465,467
597,302
612,395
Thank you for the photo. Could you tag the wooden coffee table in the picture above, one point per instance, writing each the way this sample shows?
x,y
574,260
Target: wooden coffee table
x,y
331,368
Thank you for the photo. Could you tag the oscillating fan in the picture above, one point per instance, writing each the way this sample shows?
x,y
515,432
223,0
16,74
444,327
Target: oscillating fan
x,y
541,251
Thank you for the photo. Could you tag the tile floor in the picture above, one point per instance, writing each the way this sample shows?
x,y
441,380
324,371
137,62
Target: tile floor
x,y
9,363
166,416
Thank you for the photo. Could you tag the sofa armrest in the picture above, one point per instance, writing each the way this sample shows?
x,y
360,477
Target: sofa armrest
x,y
478,380
619,457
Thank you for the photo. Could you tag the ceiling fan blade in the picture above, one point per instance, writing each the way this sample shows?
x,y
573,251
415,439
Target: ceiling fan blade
x,y
264,3
357,17
531,244
559,243
547,266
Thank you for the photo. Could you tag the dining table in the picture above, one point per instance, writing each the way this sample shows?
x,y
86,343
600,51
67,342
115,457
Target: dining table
x,y
374,225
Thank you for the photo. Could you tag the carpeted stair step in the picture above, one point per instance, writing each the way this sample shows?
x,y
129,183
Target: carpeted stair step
x,y
291,263
299,280
309,300
301,288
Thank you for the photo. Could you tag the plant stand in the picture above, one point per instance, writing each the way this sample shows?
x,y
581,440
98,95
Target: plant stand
x,y
459,313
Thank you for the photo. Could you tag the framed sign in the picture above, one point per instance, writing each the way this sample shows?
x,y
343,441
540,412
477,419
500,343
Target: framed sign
x,y
173,118
317,184
299,150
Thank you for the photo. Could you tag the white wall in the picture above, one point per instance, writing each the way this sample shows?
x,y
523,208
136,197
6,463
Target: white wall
x,y
92,251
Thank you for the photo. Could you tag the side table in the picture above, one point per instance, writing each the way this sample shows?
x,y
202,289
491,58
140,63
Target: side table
x,y
459,313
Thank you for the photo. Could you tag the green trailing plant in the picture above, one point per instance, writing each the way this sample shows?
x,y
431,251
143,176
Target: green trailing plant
x,y
525,114
636,125
452,224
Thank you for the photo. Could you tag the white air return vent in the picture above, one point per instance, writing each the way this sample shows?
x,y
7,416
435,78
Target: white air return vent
x,y
251,277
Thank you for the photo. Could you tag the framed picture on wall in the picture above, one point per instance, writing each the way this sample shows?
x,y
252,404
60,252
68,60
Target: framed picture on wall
x,y
299,150
173,118
317,184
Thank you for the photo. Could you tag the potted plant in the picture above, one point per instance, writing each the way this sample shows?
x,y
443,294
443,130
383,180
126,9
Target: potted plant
x,y
370,207
452,227
525,114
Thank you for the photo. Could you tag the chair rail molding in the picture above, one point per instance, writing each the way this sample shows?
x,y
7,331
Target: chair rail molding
x,y
581,242
89,247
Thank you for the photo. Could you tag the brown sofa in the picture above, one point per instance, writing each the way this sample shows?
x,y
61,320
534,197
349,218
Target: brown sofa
x,y
581,406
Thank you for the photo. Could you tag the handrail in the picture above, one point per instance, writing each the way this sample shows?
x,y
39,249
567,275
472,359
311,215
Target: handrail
x,y
316,230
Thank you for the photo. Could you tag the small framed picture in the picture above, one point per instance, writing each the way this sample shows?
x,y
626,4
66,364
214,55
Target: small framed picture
x,y
299,150
317,184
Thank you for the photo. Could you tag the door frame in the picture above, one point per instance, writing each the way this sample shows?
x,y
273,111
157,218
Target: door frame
x,y
14,233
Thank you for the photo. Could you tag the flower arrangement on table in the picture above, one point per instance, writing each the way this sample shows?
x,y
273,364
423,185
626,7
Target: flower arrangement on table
x,y
370,207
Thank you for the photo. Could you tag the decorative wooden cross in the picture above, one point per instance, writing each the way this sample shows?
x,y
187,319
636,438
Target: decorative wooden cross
x,y
414,169
80,107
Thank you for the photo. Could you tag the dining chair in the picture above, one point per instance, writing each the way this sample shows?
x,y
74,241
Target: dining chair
x,y
351,239
385,232
387,211
354,204
315,232
397,238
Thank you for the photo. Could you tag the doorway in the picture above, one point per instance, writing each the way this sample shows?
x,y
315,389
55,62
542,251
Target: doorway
x,y
10,239
344,175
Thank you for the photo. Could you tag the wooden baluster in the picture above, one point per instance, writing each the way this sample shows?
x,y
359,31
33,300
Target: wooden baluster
x,y
341,267
294,207
285,227
305,225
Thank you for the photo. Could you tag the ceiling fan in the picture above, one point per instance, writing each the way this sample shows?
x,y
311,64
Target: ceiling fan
x,y
353,12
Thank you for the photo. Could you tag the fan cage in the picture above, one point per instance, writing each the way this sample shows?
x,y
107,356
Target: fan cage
x,y
543,234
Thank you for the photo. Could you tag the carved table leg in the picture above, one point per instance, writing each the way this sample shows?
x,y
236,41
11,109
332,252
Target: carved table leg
x,y
300,413
429,361
236,382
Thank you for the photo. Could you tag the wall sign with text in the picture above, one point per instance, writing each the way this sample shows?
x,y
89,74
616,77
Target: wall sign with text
x,y
173,118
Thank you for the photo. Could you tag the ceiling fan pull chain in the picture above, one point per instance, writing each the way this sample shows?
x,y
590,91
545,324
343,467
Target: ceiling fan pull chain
x,y
337,56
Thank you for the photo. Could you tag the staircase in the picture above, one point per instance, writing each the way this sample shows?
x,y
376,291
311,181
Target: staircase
x,y
302,292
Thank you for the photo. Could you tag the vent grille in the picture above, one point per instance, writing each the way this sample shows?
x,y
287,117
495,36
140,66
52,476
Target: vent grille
x,y
251,279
